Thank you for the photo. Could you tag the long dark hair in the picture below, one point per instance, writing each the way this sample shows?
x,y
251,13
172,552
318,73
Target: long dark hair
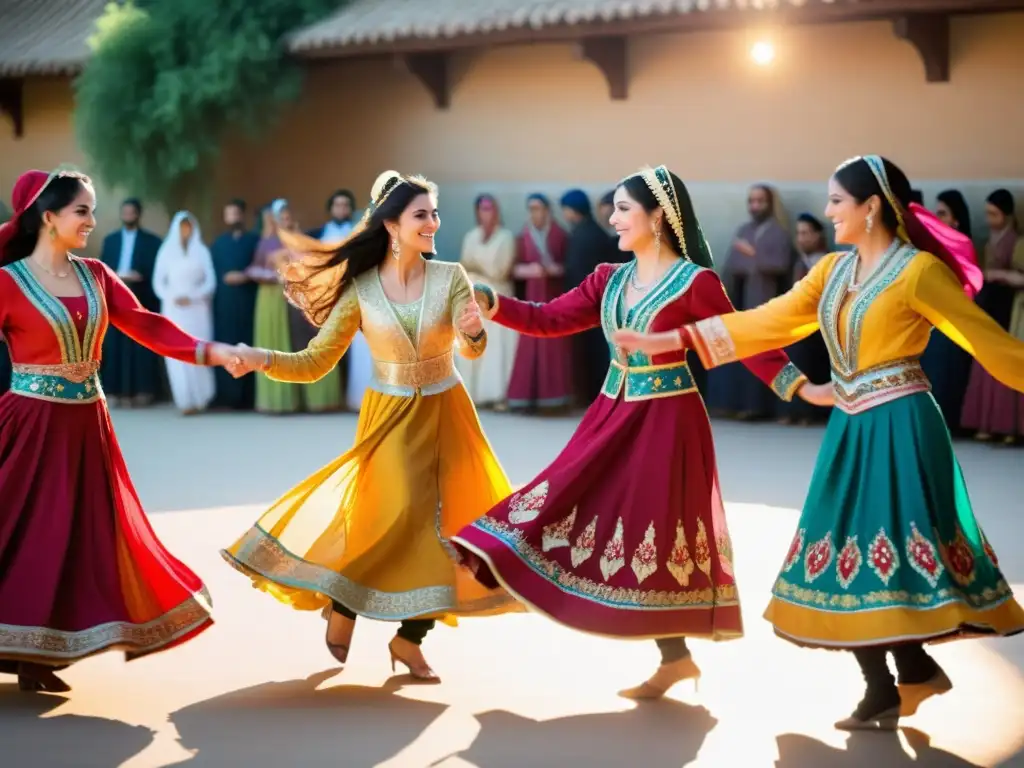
x,y
57,195
696,246
857,178
323,276
952,199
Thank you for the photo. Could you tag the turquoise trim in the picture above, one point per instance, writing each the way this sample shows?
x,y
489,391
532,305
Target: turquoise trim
x,y
788,381
97,316
829,310
649,382
487,291
56,388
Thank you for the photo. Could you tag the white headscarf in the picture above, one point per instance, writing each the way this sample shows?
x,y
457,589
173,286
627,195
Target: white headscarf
x,y
172,246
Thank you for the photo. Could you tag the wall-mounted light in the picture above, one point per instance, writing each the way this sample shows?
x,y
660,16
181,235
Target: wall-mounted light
x,y
762,53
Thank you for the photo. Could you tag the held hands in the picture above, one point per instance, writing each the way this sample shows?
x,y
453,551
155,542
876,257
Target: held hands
x,y
245,359
235,278
182,301
470,322
818,394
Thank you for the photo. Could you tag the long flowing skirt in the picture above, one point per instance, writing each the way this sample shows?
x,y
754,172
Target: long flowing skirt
x,y
192,386
371,529
887,547
624,534
272,331
487,377
81,570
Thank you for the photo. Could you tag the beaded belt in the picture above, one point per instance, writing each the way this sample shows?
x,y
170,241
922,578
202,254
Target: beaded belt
x,y
428,377
879,384
62,383
647,382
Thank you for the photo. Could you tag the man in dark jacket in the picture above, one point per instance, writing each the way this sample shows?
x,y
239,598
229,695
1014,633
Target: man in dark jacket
x,y
589,245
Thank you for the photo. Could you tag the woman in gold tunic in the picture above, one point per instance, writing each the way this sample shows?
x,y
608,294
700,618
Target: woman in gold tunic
x,y
368,534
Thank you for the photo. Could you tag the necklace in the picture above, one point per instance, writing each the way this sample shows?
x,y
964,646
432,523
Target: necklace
x,y
637,286
854,286
49,271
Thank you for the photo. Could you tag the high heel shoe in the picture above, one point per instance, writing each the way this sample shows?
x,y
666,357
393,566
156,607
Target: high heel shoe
x,y
418,670
36,678
666,676
340,650
913,695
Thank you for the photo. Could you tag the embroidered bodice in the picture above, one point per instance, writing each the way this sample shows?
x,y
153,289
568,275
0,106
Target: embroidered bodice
x,y
684,294
876,334
411,345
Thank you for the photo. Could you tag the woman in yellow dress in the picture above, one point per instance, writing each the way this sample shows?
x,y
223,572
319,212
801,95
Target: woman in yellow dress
x,y
368,534
888,554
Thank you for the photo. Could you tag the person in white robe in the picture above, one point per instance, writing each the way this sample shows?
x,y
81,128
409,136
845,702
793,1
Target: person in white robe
x,y
184,280
488,254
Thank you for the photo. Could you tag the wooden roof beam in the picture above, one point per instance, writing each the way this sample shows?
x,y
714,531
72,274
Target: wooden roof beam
x,y
929,34
12,103
611,56
434,70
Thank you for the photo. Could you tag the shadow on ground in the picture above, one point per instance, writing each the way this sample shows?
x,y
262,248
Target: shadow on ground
x,y
663,735
883,750
292,723
31,738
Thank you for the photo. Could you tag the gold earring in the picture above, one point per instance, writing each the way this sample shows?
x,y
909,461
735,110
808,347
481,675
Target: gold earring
x,y
53,233
657,238
396,249
871,222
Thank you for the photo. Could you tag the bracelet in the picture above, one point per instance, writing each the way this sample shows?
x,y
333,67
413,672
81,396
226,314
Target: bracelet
x,y
268,359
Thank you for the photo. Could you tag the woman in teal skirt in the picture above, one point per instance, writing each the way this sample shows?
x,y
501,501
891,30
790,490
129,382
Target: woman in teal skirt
x,y
888,554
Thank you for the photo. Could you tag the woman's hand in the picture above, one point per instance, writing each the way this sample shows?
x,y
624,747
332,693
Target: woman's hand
x,y
648,343
470,322
219,354
245,359
818,394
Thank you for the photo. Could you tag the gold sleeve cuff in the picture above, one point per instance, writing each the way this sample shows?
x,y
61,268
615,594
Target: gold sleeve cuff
x,y
712,342
788,381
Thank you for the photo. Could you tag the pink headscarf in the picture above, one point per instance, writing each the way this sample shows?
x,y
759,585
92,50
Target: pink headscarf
x,y
920,227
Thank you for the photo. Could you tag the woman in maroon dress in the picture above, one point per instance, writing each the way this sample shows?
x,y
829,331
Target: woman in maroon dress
x,y
624,535
542,371
81,571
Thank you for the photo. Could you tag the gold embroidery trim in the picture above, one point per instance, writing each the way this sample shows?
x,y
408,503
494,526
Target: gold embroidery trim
x,y
418,374
715,341
136,639
77,373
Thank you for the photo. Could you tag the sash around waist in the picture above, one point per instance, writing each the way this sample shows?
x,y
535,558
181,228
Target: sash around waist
x,y
879,384
58,383
427,377
647,382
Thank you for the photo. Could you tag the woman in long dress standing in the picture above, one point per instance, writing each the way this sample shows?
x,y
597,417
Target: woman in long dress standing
x,y
184,280
82,570
488,252
887,554
367,535
624,534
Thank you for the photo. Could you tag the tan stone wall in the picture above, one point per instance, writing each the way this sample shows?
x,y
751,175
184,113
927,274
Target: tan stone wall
x,y
535,117
48,142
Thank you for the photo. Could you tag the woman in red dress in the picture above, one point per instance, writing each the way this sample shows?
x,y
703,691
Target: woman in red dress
x,y
624,535
81,571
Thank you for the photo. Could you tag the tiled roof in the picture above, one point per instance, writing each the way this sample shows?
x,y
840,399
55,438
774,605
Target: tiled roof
x,y
368,22
46,37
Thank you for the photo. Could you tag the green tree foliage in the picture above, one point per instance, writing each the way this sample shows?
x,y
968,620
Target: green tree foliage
x,y
170,81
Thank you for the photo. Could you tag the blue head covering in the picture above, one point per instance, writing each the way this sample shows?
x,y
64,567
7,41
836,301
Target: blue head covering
x,y
277,206
577,200
540,198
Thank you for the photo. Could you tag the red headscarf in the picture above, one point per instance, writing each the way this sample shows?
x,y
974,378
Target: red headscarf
x,y
27,189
